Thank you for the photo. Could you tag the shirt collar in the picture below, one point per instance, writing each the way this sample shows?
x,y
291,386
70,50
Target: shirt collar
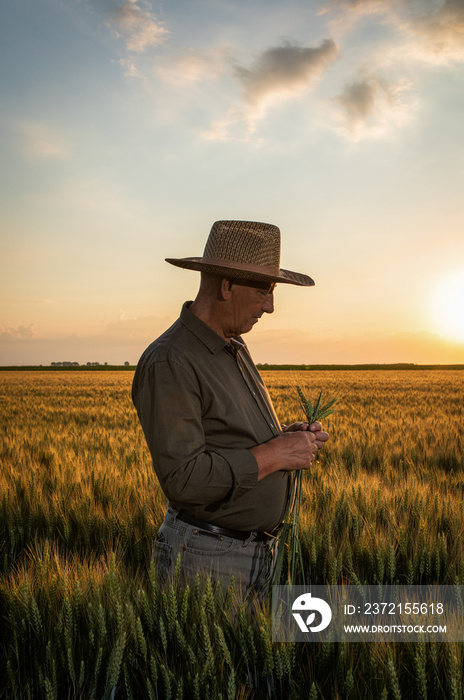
x,y
201,330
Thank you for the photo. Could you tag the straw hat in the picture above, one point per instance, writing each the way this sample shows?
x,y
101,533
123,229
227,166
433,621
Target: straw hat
x,y
248,249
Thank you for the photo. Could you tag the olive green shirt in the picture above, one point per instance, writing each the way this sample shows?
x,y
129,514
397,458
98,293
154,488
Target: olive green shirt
x,y
203,405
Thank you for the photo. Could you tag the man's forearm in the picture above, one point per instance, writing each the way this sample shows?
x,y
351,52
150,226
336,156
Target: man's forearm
x,y
290,450
266,459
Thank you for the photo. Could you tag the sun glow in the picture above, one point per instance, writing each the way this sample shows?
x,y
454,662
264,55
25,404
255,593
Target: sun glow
x,y
448,306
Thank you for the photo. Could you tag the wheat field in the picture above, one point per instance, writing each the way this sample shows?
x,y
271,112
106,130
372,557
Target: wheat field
x,y
83,613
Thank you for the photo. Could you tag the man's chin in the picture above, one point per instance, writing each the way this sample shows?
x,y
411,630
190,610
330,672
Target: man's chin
x,y
249,326
253,322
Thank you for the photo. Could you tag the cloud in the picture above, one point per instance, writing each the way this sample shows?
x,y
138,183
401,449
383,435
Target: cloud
x,y
11,333
125,339
118,341
134,22
406,32
122,331
40,140
191,66
278,74
424,32
360,6
237,125
433,30
129,68
44,147
284,71
126,330
370,105
440,32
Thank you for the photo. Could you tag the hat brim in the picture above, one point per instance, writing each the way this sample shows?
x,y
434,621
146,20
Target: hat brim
x,y
242,272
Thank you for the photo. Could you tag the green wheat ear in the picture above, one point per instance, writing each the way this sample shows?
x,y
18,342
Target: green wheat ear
x,y
287,544
316,411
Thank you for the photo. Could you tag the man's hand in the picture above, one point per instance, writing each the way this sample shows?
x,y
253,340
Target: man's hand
x,y
295,448
315,428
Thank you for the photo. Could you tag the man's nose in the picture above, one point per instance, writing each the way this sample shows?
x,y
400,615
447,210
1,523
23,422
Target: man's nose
x,y
268,305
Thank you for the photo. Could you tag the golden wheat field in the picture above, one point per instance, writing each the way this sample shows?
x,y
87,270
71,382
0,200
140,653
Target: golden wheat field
x,y
83,614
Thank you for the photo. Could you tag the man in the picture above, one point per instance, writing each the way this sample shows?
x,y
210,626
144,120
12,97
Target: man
x,y
222,458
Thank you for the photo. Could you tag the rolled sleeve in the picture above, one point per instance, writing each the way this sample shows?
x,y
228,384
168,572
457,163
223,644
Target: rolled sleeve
x,y
170,406
244,469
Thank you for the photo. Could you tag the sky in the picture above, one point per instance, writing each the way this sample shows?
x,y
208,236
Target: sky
x,y
127,127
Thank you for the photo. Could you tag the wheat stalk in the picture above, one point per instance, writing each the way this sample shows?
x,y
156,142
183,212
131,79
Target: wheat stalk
x,y
288,539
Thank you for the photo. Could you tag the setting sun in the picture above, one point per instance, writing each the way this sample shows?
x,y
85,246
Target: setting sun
x,y
448,306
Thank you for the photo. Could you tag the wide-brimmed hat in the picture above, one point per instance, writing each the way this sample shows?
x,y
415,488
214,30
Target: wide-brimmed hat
x,y
248,249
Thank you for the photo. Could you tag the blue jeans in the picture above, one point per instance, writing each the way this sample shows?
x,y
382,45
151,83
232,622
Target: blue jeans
x,y
216,556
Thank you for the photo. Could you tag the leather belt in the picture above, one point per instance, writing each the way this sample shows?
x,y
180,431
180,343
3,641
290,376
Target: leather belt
x,y
225,532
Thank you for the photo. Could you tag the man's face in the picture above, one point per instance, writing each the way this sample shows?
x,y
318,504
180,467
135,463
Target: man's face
x,y
249,301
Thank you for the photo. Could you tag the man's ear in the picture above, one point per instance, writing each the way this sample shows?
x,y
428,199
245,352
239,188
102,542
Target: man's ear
x,y
226,288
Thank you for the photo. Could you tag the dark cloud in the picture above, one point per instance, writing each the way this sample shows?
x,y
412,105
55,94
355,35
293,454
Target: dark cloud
x,y
285,69
372,105
360,98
